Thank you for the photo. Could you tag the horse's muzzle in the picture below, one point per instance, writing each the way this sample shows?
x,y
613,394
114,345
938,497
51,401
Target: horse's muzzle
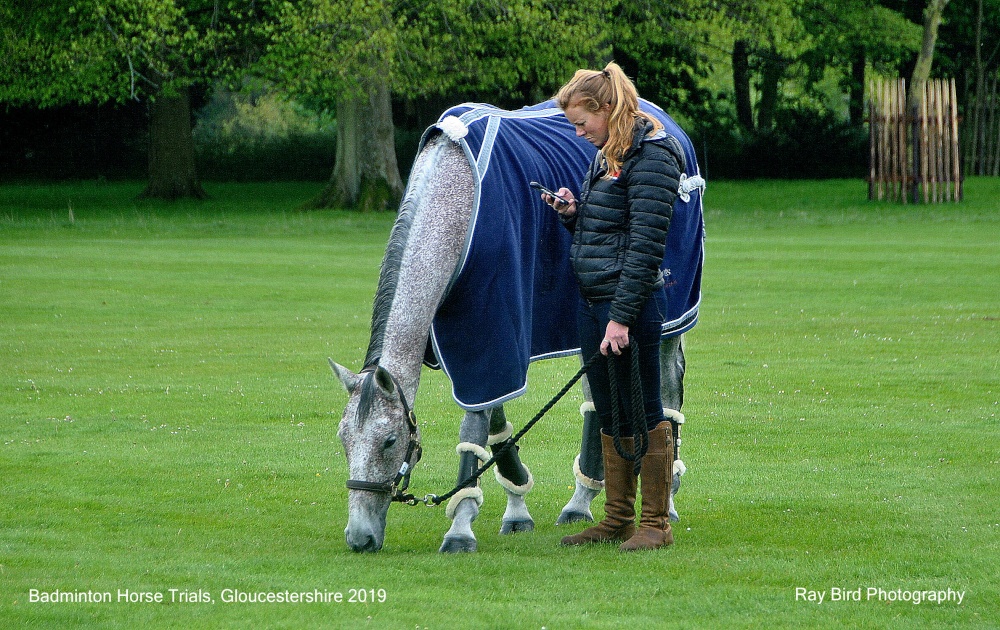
x,y
365,532
363,540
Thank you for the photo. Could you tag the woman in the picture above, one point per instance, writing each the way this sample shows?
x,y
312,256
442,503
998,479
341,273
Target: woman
x,y
619,227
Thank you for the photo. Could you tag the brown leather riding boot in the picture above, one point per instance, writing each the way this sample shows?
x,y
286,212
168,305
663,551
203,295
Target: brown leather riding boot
x,y
619,502
655,476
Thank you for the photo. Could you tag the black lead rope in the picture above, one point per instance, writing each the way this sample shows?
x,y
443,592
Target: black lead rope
x,y
512,441
638,424
397,486
640,438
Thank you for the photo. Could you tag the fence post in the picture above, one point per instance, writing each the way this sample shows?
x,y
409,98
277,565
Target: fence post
x,y
914,152
956,154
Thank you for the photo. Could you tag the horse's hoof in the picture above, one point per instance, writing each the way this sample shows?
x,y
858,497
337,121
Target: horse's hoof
x,y
514,527
458,544
572,516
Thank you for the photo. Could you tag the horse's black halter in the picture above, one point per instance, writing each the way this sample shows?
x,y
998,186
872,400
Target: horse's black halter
x,y
396,487
398,493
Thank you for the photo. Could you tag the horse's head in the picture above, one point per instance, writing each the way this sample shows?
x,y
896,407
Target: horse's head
x,y
378,432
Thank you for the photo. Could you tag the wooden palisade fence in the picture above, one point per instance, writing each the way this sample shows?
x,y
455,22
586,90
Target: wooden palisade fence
x,y
982,131
915,154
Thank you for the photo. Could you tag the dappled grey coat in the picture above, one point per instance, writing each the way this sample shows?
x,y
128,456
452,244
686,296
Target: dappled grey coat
x,y
620,227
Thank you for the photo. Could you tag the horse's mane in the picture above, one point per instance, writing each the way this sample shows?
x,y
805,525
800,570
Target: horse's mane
x,y
388,278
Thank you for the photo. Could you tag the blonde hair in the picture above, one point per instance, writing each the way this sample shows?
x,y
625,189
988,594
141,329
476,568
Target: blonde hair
x,y
593,89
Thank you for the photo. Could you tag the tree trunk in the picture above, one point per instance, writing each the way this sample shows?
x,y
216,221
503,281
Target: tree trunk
x,y
171,150
342,189
977,136
922,70
741,84
773,70
856,103
366,174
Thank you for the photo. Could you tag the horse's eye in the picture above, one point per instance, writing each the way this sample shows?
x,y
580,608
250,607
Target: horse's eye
x,y
390,442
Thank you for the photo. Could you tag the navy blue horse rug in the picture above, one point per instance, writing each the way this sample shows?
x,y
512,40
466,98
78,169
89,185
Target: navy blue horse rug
x,y
513,298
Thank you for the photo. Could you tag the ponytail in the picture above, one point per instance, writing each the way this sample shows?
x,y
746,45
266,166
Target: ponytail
x,y
593,89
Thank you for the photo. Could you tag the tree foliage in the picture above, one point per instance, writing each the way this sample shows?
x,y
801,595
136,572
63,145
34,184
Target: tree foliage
x,y
95,51
784,62
807,40
322,48
353,56
656,45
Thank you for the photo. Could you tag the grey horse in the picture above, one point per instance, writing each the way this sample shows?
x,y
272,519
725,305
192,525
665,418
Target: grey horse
x,y
378,429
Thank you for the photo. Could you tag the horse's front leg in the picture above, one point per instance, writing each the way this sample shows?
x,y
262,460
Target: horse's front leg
x,y
463,507
510,473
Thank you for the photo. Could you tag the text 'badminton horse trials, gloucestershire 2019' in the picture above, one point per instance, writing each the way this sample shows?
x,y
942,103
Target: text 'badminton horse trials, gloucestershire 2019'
x,y
476,281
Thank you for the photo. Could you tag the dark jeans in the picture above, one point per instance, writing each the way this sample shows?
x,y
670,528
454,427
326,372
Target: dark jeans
x,y
593,322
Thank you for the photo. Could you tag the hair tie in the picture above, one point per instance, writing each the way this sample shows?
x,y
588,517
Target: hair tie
x,y
607,75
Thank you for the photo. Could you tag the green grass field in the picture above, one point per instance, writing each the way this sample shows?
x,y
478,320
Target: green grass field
x,y
168,423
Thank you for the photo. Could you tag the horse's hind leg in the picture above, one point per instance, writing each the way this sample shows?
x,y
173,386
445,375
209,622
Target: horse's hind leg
x,y
510,473
588,467
672,395
463,508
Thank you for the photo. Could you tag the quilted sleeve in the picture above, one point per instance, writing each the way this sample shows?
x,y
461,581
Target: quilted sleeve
x,y
652,183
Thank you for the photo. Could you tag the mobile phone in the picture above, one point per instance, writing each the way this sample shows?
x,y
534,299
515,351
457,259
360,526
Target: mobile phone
x,y
546,191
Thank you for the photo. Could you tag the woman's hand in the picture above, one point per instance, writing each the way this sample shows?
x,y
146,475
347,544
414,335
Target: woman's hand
x,y
615,338
566,209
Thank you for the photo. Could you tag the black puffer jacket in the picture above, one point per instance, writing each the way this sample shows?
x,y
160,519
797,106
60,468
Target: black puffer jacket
x,y
620,227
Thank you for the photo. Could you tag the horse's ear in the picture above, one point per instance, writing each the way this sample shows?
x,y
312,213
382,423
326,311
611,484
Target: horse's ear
x,y
348,378
384,381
